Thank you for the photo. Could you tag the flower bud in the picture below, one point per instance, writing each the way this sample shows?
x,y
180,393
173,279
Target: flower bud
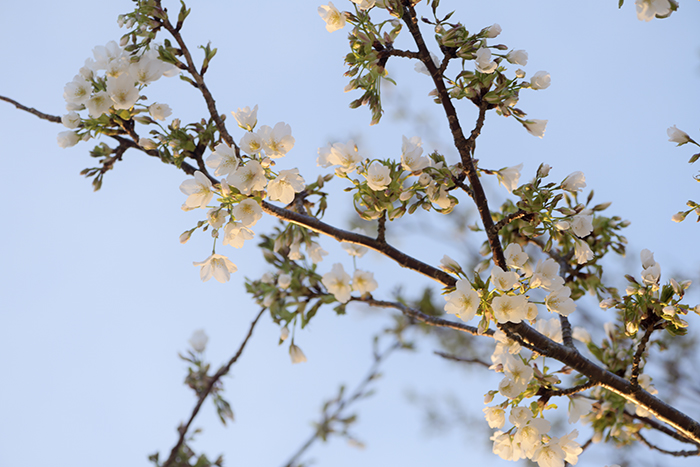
x,y
296,354
631,329
185,236
284,333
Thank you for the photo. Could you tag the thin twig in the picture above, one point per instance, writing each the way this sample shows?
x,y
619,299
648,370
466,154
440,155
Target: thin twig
x,y
379,358
664,451
33,111
461,359
212,382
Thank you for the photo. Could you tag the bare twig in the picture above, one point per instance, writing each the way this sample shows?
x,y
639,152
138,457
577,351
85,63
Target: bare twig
x,y
460,359
207,390
670,453
344,403
33,111
641,347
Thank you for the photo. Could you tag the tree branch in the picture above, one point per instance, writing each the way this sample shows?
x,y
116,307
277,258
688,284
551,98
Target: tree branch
x,y
460,359
212,382
33,111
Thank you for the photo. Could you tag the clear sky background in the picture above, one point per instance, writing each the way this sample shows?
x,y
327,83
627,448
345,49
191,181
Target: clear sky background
x,y
97,296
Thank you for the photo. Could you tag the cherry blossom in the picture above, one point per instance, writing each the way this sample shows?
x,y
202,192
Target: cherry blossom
x,y
582,224
99,104
463,302
77,91
378,176
484,64
276,141
198,191
338,283
159,111
122,91
363,282
536,127
515,256
246,118
285,185
517,57
344,155
223,160
509,308
67,139
296,354
649,9
248,178
235,233
576,181
502,280
559,301
540,80
678,136
509,177
248,212
334,19
217,266
411,150
199,340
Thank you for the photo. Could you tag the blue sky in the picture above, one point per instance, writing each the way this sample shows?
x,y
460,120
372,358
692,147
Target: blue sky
x,y
98,296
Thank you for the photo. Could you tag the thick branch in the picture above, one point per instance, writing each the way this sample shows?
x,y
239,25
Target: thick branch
x,y
210,386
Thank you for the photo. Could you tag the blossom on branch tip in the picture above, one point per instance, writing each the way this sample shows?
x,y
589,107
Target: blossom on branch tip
x,y
99,104
71,120
517,57
248,178
66,139
493,31
509,177
536,127
217,266
345,155
338,283
582,224
223,160
574,182
650,9
122,91
463,302
509,308
411,150
276,141
363,282
283,187
198,191
296,354
251,143
159,111
246,118
77,91
515,256
484,64
582,252
235,233
248,212
559,301
540,80
334,18
546,275
495,416
199,340
678,136
378,176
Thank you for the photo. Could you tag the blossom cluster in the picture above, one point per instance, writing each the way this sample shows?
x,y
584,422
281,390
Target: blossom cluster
x,y
117,88
246,181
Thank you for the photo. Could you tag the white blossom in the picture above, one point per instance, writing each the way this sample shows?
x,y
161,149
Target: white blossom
x,y
198,190
77,91
421,68
493,31
559,301
217,266
199,340
248,212
581,334
540,80
495,416
363,282
517,57
345,155
411,150
316,252
99,104
546,275
122,91
649,9
276,141
67,139
248,178
296,354
235,233
463,302
216,217
71,120
284,281
354,249
285,185
509,177
550,328
159,111
536,127
246,118
677,136
509,308
582,252
503,280
223,160
484,64
579,407
334,19
378,176
576,181
515,256
251,143
582,224
338,283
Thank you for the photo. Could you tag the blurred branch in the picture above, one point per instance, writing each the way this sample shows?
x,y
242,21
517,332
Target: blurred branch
x,y
212,382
